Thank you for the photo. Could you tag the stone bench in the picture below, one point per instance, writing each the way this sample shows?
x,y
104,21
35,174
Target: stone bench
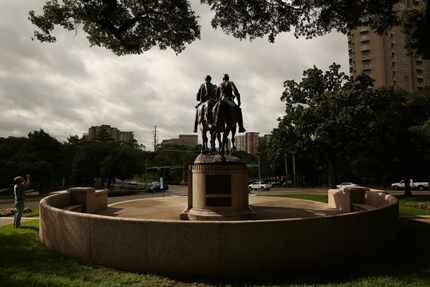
x,y
90,199
357,198
344,198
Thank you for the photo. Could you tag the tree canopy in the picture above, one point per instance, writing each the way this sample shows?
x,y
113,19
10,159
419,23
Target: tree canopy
x,y
352,130
256,18
125,26
135,26
416,25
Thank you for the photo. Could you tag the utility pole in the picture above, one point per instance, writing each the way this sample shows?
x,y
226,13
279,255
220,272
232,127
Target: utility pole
x,y
155,138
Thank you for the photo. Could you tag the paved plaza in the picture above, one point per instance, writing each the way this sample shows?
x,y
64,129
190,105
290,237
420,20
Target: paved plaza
x,y
266,207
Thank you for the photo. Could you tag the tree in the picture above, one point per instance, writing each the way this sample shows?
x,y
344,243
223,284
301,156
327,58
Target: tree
x,y
416,24
356,130
253,19
86,165
305,114
125,26
130,27
135,26
121,162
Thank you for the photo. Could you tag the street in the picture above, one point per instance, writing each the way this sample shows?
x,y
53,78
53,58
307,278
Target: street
x,y
33,201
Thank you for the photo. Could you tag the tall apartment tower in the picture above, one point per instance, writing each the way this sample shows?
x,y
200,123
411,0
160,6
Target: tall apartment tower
x,y
385,58
247,142
114,133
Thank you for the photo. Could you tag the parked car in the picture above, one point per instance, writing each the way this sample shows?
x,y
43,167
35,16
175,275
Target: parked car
x,y
420,185
259,185
155,186
346,183
276,183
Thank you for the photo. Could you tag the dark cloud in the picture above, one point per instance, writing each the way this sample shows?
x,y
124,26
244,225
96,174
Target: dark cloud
x,y
68,86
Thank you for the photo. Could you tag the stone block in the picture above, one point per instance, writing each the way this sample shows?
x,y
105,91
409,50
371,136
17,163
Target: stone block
x,y
357,194
344,198
339,199
90,199
79,194
96,201
376,199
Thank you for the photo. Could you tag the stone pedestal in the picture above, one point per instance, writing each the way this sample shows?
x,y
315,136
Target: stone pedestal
x,y
219,189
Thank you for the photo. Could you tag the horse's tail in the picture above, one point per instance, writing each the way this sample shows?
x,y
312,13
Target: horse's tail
x,y
202,115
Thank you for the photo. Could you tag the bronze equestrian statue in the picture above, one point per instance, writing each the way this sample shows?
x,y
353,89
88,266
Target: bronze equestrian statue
x,y
228,114
218,113
207,97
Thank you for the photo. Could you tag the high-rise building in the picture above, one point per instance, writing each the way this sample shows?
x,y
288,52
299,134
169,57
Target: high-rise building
x,y
265,139
247,142
188,140
95,132
385,58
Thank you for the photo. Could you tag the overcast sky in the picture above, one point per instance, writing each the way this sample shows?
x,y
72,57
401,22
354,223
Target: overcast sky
x,y
66,87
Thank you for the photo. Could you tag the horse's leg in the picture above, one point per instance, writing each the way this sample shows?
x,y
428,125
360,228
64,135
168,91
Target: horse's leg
x,y
218,135
205,138
213,135
203,141
233,134
222,144
225,139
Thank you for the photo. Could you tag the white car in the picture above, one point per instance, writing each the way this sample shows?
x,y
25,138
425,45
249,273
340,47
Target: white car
x,y
414,185
259,186
343,184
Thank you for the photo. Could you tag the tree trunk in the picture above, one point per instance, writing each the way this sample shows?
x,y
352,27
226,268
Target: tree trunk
x,y
286,168
330,174
428,10
294,170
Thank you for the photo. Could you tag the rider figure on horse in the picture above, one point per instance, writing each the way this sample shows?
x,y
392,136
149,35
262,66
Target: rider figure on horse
x,y
226,93
206,95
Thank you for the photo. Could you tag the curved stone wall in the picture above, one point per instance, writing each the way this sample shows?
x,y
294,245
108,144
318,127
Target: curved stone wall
x,y
233,248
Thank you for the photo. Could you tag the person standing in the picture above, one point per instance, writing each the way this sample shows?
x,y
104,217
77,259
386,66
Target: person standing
x,y
21,185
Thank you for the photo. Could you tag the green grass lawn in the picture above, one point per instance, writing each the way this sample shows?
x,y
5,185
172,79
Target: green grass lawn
x,y
25,262
409,206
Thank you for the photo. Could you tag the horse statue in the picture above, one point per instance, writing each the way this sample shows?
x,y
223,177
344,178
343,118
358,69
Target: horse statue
x,y
227,114
226,125
207,98
203,114
218,114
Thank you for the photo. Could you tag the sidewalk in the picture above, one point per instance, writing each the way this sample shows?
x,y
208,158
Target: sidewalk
x,y
9,220
421,218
